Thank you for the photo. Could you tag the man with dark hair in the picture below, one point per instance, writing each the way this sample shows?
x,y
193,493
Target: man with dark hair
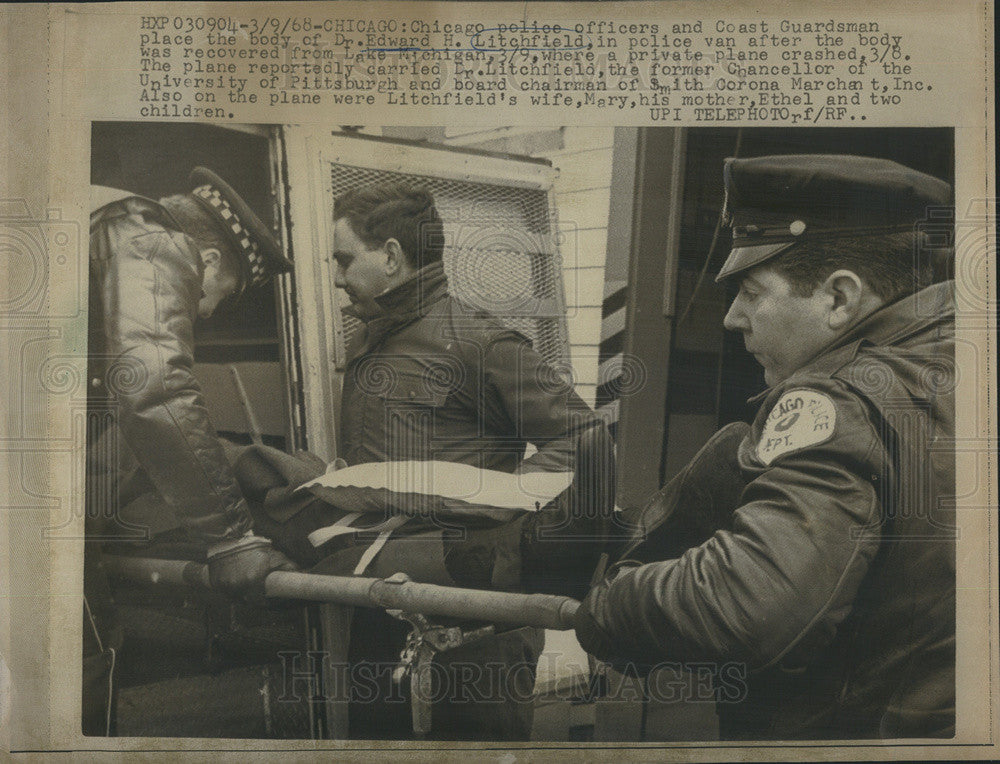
x,y
392,217
430,378
886,262
155,267
399,211
810,556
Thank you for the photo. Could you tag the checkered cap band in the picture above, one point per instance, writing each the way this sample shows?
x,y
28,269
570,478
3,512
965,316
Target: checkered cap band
x,y
258,271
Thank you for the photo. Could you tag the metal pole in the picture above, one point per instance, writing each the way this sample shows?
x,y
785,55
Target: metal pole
x,y
255,432
541,610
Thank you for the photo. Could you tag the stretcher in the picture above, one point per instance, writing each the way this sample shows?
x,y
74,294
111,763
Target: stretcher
x,y
445,593
416,603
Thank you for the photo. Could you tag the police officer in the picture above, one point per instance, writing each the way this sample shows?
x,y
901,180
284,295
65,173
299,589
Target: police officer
x,y
824,594
155,267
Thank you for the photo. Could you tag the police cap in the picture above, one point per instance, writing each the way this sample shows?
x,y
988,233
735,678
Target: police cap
x,y
775,202
259,254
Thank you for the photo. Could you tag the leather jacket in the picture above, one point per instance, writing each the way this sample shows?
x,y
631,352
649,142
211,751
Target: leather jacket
x,y
145,285
829,592
433,379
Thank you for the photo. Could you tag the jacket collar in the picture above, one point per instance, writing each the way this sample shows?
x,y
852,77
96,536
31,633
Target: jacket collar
x,y
888,325
908,316
401,305
416,294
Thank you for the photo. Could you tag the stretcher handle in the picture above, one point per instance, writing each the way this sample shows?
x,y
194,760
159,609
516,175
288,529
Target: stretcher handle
x,y
545,611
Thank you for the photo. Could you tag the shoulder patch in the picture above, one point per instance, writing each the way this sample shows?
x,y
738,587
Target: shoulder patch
x,y
799,419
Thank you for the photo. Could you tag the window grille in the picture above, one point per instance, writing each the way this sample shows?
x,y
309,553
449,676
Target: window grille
x,y
500,252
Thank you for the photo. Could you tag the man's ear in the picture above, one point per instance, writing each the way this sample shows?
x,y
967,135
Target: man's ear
x,y
395,258
211,256
849,298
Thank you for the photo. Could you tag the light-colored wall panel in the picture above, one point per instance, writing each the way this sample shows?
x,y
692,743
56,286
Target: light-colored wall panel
x,y
585,326
588,392
584,208
584,359
583,286
583,170
588,137
582,247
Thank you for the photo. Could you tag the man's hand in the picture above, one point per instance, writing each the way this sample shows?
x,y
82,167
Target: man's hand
x,y
239,567
589,633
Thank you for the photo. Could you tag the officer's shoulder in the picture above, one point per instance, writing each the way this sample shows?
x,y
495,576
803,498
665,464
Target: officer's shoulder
x,y
808,385
872,371
806,411
108,202
103,197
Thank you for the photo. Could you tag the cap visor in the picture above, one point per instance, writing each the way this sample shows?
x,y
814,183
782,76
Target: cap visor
x,y
742,258
267,244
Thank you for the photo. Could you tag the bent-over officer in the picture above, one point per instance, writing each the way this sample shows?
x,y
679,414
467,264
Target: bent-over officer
x,y
827,588
155,267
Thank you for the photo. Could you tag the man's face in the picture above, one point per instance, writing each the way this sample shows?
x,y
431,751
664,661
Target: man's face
x,y
361,271
218,282
781,329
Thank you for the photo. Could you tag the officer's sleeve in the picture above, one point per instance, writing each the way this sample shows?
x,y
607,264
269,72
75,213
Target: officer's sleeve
x,y
528,398
775,587
151,292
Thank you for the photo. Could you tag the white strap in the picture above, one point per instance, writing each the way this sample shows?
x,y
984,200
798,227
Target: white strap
x,y
321,535
389,526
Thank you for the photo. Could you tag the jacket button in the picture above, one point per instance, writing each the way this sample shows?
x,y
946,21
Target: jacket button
x,y
413,394
95,382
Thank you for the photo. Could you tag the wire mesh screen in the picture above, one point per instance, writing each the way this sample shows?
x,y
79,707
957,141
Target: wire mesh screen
x,y
499,252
